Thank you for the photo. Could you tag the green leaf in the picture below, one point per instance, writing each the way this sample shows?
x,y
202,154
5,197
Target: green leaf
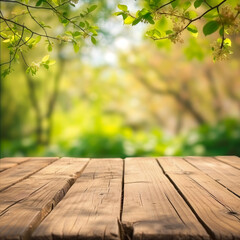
x,y
46,66
92,8
6,40
65,22
45,58
28,70
210,27
39,2
51,62
129,20
82,24
122,7
136,21
93,39
175,3
49,47
5,72
153,33
56,2
87,24
212,14
186,5
68,33
92,30
37,39
198,3
143,12
75,47
124,15
149,18
221,31
192,14
76,34
117,13
192,28
169,32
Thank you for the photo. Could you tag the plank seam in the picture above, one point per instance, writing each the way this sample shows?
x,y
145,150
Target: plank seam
x,y
125,229
208,230
18,163
229,209
20,200
226,163
122,194
175,209
1,190
57,198
213,178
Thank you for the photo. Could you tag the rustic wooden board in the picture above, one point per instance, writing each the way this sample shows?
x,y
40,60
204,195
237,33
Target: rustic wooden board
x,y
216,207
221,172
22,171
91,208
25,204
152,208
234,161
6,163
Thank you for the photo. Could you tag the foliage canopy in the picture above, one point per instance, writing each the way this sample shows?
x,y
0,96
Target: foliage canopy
x,y
24,24
169,19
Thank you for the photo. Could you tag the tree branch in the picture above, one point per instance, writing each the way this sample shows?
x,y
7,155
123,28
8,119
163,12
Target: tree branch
x,y
33,32
30,6
164,5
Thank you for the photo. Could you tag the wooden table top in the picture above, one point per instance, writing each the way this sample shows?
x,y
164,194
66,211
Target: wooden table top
x,y
127,199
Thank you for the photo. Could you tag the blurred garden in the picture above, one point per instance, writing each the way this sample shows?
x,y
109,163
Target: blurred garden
x,y
120,91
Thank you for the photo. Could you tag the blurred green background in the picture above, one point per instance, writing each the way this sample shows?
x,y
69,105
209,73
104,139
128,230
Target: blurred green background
x,y
126,96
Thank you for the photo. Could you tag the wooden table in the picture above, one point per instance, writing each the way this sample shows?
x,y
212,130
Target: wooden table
x,y
134,198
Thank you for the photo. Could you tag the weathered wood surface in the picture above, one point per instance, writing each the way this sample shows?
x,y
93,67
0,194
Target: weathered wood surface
x,y
231,160
22,171
216,207
25,204
152,206
91,208
221,172
135,198
6,163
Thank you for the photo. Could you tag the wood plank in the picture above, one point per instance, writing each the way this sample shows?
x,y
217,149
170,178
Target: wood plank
x,y
25,204
7,162
221,172
91,208
152,207
63,168
234,161
22,171
216,207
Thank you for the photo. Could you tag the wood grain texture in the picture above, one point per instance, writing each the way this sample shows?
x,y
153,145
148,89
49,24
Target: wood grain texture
x,y
22,171
152,207
25,204
6,163
234,161
216,207
91,208
221,172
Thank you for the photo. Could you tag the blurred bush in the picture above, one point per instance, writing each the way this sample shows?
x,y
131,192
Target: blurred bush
x,y
220,139
206,140
98,145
